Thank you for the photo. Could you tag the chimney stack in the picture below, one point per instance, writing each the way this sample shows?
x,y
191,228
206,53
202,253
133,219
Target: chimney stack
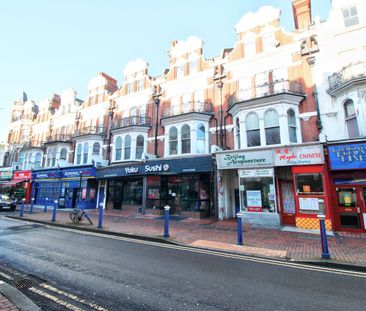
x,y
302,13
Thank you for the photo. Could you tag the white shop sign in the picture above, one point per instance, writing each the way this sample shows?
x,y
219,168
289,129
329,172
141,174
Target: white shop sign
x,y
245,159
261,172
309,204
302,155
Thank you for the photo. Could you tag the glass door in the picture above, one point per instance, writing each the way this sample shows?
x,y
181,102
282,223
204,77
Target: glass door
x,y
348,208
288,210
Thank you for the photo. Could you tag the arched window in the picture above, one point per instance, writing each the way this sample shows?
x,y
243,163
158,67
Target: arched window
x,y
201,138
186,139
351,119
127,147
139,146
249,44
63,154
272,127
78,154
96,148
173,141
291,120
237,133
85,153
252,128
118,148
38,160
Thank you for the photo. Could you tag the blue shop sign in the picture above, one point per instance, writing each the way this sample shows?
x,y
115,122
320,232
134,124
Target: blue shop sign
x,y
77,172
45,175
347,157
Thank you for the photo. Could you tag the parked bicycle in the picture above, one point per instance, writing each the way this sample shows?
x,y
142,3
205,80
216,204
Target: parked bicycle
x,y
77,215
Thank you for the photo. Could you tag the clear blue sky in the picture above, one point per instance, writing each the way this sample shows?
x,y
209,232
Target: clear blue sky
x,y
50,45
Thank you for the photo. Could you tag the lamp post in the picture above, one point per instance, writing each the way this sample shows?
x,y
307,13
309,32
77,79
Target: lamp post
x,y
110,115
156,94
218,76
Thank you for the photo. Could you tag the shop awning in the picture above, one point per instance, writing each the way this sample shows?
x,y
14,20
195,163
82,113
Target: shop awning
x,y
9,183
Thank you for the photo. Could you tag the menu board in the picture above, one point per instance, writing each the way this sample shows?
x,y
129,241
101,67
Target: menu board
x,y
309,204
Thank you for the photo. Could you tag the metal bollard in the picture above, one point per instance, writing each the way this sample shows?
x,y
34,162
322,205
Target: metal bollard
x,y
31,207
45,206
54,211
21,214
324,239
166,223
240,229
100,222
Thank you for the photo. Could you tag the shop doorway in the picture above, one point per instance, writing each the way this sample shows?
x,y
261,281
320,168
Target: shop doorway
x,y
287,198
350,210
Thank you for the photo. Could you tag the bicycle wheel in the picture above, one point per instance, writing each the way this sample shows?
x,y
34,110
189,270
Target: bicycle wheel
x,y
74,217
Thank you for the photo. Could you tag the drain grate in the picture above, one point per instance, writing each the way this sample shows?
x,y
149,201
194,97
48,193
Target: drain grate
x,y
23,282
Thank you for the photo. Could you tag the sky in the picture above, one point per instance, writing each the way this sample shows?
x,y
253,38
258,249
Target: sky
x,y
47,46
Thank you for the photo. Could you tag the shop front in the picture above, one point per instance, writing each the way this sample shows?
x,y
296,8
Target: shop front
x,y
22,185
6,186
72,186
184,184
274,186
347,171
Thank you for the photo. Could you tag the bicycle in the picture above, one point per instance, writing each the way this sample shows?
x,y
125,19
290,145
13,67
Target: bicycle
x,y
77,215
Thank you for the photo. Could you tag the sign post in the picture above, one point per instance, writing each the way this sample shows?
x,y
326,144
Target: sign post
x,y
323,233
166,223
240,229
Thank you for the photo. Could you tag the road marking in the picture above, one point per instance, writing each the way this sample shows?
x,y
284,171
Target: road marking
x,y
221,254
73,297
8,277
55,299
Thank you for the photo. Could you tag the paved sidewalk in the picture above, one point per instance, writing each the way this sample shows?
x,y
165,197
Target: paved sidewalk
x,y
6,305
210,233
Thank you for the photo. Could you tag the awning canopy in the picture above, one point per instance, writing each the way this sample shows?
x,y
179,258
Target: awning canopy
x,y
10,183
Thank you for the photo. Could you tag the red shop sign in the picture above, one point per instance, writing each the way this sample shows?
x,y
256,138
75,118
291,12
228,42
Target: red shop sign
x,y
22,175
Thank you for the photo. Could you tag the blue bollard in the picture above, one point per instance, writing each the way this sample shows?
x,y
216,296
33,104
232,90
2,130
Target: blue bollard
x,y
240,229
166,223
31,207
54,211
100,223
45,206
21,214
323,234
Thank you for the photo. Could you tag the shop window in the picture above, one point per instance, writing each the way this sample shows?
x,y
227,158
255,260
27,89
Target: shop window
x,y
96,149
78,154
63,154
309,183
346,197
127,147
350,16
118,148
139,146
132,192
252,128
186,139
351,119
237,133
173,141
291,119
272,127
85,153
201,138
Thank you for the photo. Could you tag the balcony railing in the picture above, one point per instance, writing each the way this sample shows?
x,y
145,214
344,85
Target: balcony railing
x,y
58,138
91,130
267,89
131,121
188,107
347,74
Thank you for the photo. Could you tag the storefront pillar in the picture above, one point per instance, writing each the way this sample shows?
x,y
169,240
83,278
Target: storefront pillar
x,y
144,194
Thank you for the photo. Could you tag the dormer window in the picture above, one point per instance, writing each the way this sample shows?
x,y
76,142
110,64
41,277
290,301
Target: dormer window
x,y
350,16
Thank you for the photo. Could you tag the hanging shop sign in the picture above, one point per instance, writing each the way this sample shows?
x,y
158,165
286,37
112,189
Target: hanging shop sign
x,y
347,156
244,159
302,155
6,173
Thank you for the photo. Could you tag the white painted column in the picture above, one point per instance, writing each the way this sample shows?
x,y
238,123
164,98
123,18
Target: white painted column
x,y
285,137
193,139
262,132
243,134
133,147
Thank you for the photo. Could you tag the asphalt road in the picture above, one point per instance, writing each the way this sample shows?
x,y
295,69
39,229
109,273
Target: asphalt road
x,y
119,274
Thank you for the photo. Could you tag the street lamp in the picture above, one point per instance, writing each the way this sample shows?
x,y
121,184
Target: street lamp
x,y
218,76
110,114
156,94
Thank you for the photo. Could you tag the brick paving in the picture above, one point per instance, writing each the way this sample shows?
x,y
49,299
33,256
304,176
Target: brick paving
x,y
6,305
349,248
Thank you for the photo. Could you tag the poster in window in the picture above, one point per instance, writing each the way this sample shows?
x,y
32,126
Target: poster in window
x,y
254,200
153,193
83,194
306,188
92,193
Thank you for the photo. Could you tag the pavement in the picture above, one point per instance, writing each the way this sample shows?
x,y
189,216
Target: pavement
x,y
347,250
